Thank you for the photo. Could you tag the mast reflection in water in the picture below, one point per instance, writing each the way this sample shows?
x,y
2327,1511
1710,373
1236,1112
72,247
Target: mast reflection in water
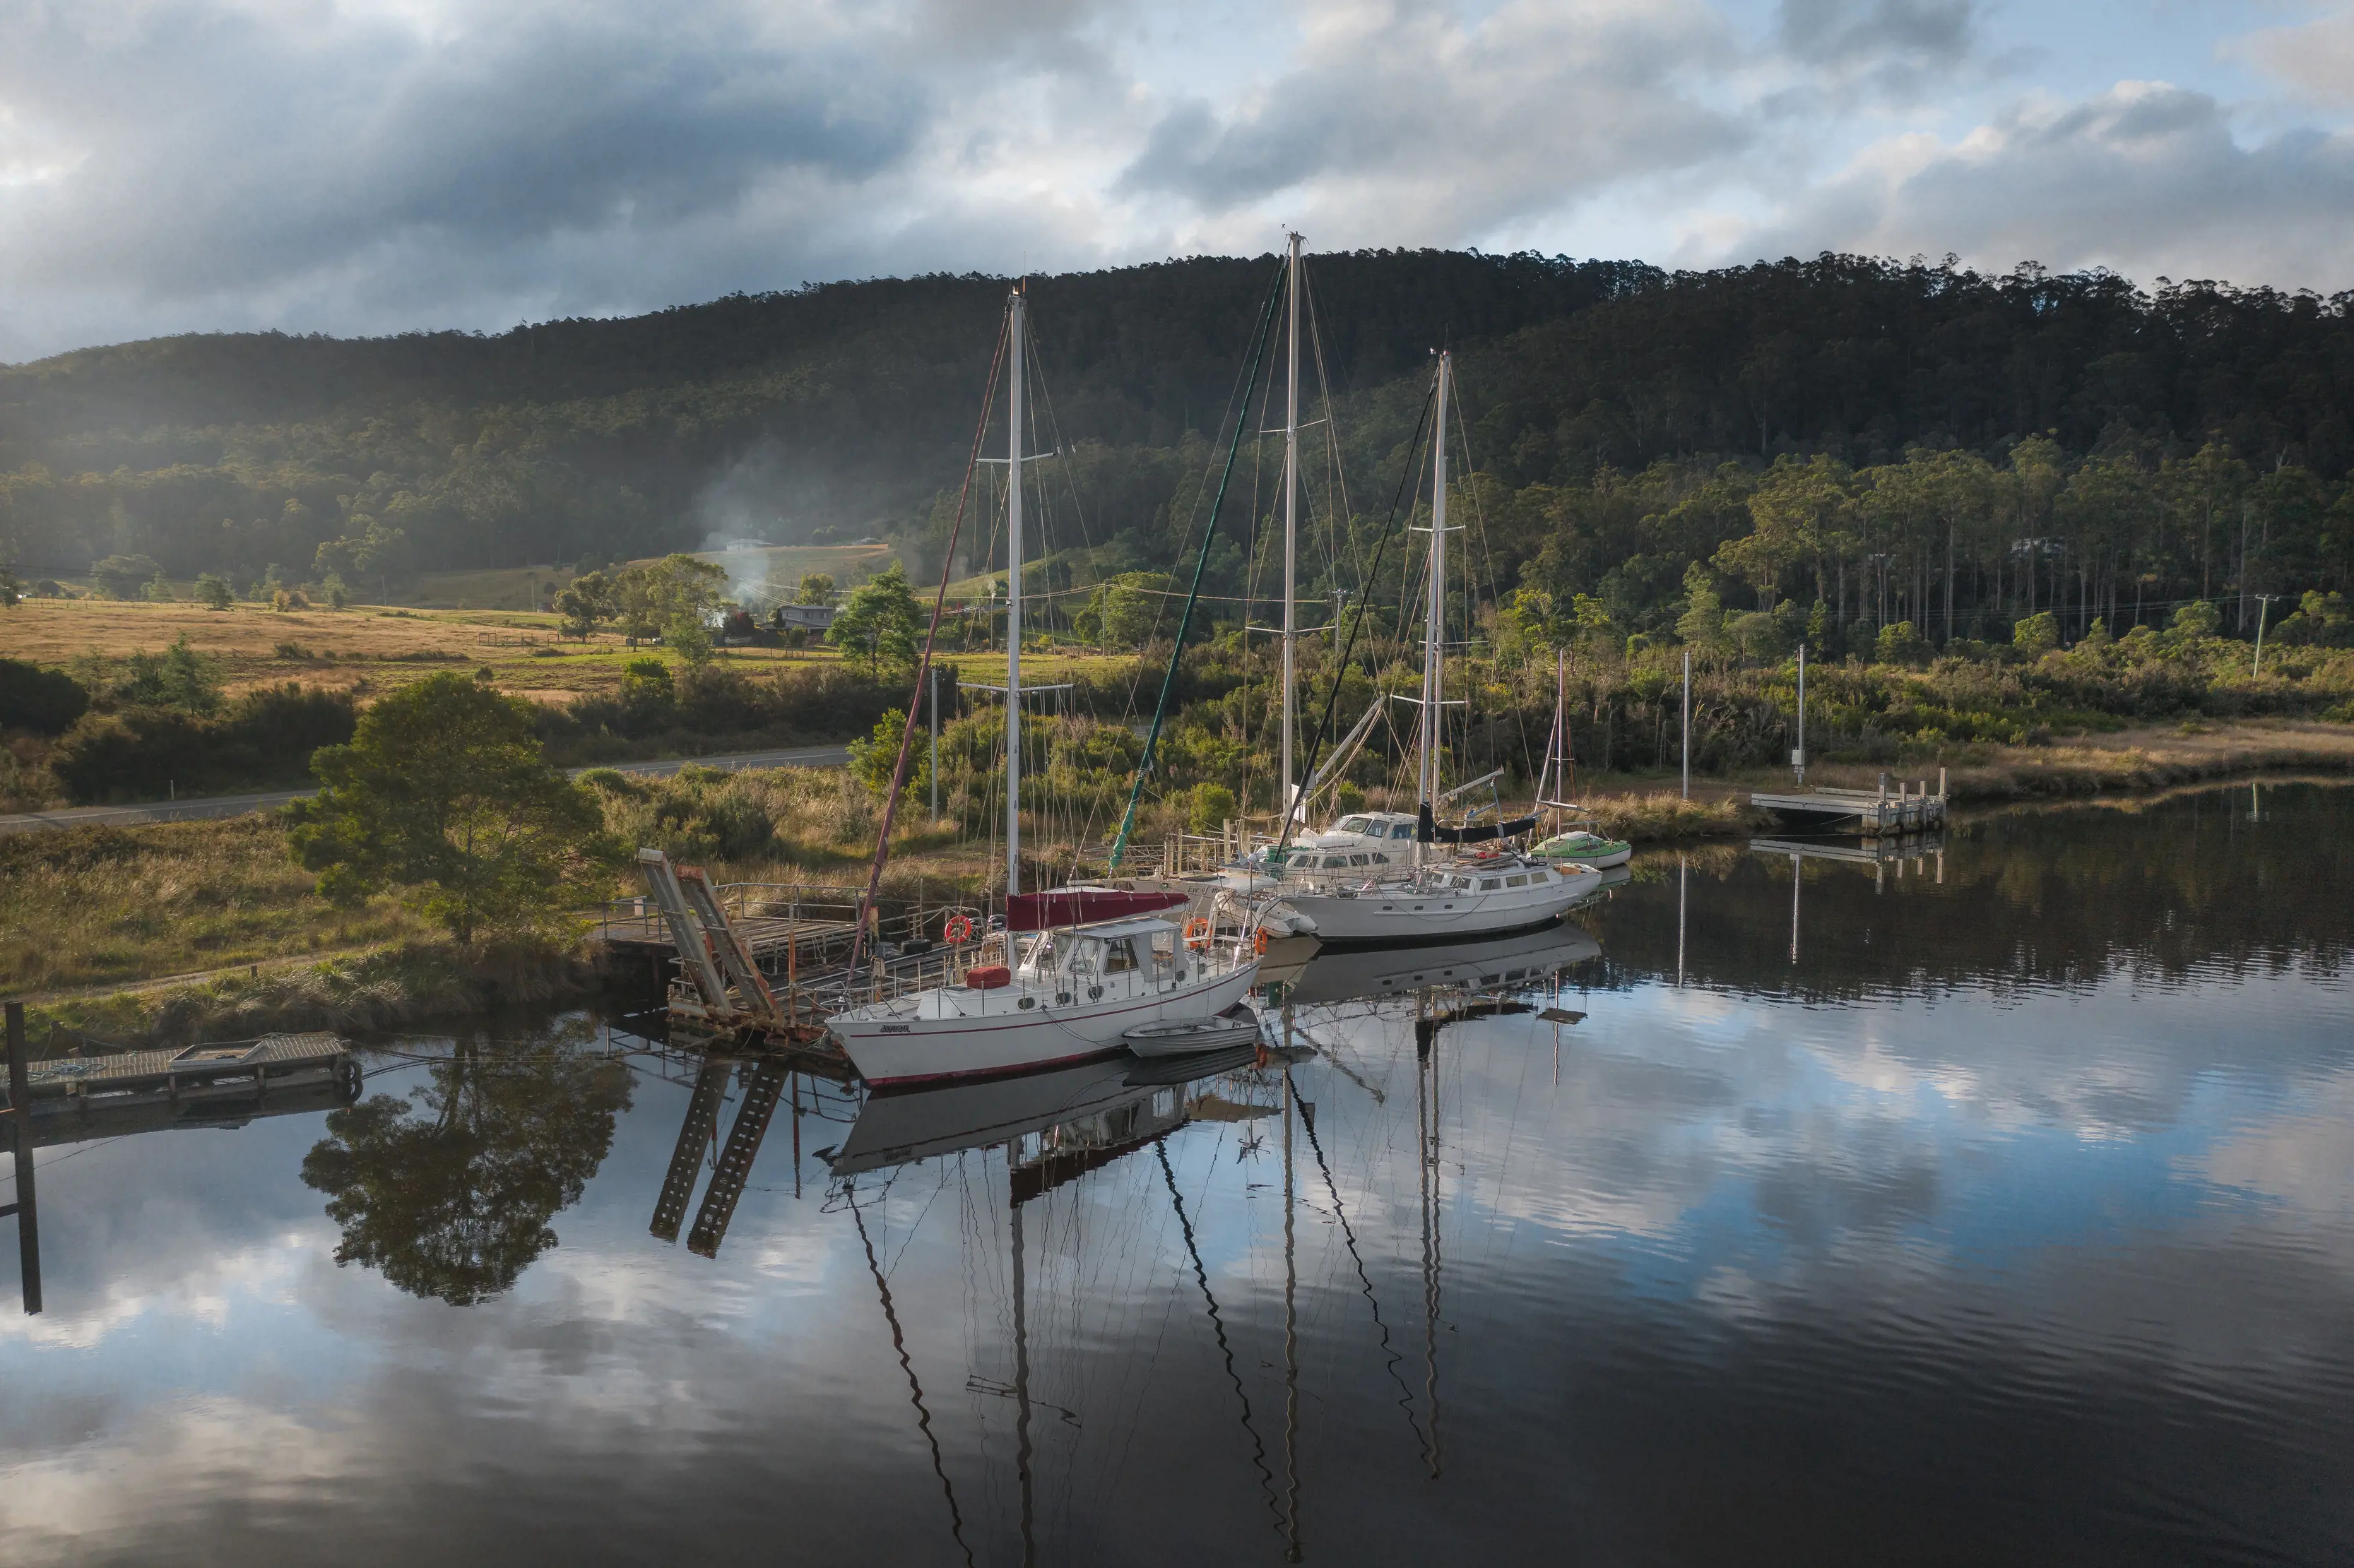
x,y
2006,1215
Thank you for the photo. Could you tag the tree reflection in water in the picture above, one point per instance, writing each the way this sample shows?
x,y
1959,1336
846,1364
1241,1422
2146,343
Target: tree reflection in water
x,y
449,1191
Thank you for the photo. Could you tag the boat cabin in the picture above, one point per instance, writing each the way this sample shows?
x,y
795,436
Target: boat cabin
x,y
1392,832
1125,954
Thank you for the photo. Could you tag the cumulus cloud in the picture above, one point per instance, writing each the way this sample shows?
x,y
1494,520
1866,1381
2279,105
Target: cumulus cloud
x,y
378,165
250,163
1898,50
2146,178
2314,58
1413,117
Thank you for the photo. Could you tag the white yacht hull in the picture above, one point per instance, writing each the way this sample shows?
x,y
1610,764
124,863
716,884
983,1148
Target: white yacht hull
x,y
1391,917
892,1043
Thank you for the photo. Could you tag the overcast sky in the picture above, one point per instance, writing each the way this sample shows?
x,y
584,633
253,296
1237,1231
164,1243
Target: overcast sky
x,y
371,165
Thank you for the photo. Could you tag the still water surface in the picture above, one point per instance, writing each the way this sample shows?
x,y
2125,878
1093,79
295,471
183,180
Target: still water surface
x,y
2010,1219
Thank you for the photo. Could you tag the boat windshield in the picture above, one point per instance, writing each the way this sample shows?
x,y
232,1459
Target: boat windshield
x,y
1353,825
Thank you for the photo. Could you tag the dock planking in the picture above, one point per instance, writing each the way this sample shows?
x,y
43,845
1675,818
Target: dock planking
x,y
123,1085
1911,809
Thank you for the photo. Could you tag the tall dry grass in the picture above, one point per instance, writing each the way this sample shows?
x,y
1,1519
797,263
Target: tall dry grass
x,y
97,906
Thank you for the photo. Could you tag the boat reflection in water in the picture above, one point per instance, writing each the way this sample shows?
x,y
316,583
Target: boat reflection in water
x,y
1056,1124
1051,1130
1499,964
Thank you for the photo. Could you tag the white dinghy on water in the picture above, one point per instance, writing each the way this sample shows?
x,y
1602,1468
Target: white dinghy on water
x,y
1084,966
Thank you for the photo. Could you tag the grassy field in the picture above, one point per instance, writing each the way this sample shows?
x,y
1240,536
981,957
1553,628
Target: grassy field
x,y
526,587
368,647
100,906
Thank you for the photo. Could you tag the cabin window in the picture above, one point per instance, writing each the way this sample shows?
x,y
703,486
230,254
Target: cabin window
x,y
1361,860
1402,831
1516,882
1464,883
1487,885
1380,860
1164,954
1119,956
1086,957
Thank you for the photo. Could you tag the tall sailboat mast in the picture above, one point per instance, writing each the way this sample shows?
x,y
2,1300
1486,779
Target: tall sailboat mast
x,y
1434,632
1015,351
1290,536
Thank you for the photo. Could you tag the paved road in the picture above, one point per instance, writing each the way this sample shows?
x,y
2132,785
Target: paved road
x,y
239,805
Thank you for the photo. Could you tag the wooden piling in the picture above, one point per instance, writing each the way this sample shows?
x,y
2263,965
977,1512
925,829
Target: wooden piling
x,y
20,1111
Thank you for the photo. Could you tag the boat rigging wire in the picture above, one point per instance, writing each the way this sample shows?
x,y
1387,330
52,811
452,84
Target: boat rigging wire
x,y
914,1389
1200,561
924,664
1356,622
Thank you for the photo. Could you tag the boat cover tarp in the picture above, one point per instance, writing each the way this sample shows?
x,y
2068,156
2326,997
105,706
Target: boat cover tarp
x,y
1429,831
1082,905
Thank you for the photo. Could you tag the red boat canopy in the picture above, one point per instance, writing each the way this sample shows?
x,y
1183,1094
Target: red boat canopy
x,y
1082,905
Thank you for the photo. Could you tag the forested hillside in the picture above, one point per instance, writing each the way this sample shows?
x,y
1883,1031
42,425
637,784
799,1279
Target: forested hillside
x,y
1902,442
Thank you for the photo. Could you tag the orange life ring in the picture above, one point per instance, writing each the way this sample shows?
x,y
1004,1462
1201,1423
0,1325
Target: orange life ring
x,y
958,928
1259,946
1197,932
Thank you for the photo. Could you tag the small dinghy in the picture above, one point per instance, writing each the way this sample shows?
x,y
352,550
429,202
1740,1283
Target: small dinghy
x,y
1187,1037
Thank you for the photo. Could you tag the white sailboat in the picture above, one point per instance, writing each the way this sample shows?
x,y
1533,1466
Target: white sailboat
x,y
1085,967
1457,894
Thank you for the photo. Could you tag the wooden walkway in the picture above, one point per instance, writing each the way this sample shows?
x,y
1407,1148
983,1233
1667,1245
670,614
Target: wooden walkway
x,y
135,1091
1876,812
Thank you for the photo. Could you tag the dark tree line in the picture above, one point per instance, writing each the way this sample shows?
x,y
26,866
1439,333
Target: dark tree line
x,y
2106,444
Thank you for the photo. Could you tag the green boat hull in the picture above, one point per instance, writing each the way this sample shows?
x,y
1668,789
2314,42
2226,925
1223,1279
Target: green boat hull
x,y
1585,849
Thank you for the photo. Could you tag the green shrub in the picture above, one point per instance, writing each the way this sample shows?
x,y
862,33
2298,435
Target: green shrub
x,y
47,702
1899,644
144,752
1213,808
2197,618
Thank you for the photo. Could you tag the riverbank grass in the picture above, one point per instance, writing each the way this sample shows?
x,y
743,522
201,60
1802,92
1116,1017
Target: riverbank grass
x,y
97,906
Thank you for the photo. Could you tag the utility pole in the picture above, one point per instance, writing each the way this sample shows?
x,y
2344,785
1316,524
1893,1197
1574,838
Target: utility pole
x,y
2264,603
1798,756
1687,723
933,693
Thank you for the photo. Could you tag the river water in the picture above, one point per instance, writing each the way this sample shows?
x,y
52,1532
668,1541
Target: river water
x,y
1995,1205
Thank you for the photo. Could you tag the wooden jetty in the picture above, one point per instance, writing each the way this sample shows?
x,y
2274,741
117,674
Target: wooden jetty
x,y
1877,813
777,922
74,1098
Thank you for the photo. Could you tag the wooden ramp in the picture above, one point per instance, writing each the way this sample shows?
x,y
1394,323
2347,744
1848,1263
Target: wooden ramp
x,y
766,936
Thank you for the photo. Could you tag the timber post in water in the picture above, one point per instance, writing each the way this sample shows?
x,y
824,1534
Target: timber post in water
x,y
20,1113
